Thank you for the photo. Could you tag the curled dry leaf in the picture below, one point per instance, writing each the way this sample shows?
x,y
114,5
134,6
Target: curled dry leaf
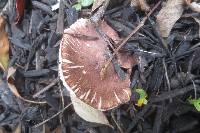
x,y
4,45
87,112
140,4
13,89
20,5
168,16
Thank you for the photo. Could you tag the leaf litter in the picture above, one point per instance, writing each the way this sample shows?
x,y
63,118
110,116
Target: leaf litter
x,y
165,47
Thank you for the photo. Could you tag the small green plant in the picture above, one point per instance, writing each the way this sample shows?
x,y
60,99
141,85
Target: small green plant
x,y
195,103
82,3
143,95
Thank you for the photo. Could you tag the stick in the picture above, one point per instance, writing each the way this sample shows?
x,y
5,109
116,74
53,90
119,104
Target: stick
x,y
173,93
35,126
103,70
55,81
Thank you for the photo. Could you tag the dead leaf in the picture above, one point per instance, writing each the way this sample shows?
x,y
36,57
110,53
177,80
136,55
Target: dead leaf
x,y
4,45
13,89
97,4
2,130
140,4
20,5
168,16
87,112
194,6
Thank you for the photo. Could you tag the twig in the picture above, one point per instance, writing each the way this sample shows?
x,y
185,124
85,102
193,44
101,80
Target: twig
x,y
167,77
103,70
189,74
63,105
62,97
190,63
158,119
173,93
195,88
60,21
55,81
138,117
118,126
52,116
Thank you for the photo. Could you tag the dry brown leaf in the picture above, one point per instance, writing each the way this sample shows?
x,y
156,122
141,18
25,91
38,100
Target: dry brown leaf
x,y
168,16
140,4
20,6
4,45
12,87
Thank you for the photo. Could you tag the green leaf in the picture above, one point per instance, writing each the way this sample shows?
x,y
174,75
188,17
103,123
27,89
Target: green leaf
x,y
86,3
77,6
143,95
195,102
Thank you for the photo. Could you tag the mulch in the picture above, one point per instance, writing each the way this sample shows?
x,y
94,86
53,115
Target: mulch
x,y
168,70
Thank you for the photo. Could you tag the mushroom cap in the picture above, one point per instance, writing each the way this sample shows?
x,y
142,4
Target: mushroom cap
x,y
81,61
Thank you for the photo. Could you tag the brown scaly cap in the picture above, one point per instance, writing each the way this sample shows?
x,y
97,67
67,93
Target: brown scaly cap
x,y
81,60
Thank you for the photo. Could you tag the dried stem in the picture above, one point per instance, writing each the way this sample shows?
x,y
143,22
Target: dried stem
x,y
54,82
40,124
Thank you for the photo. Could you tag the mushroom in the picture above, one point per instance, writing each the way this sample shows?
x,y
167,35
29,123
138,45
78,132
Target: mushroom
x,y
82,54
